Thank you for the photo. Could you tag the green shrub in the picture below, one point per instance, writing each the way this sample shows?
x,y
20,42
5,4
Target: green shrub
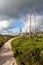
x,y
4,39
28,51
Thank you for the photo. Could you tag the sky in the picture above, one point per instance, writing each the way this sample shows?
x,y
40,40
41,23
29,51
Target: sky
x,y
15,15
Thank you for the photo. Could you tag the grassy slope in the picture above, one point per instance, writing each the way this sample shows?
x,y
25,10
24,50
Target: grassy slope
x,y
3,39
28,51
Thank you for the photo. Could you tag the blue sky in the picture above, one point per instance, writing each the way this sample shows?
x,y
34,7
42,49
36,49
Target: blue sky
x,y
18,25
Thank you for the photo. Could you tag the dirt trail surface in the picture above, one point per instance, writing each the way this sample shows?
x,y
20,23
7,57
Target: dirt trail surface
x,y
6,54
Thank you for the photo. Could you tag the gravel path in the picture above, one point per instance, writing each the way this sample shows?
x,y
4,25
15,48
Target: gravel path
x,y
6,54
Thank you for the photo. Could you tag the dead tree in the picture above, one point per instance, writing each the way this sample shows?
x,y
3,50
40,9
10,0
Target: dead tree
x,y
41,24
30,26
20,32
34,21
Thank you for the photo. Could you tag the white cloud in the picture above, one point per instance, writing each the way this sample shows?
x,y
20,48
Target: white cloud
x,y
7,26
4,24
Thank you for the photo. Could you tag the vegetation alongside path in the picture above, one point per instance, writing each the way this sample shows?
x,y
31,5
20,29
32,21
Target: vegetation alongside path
x,y
3,39
28,51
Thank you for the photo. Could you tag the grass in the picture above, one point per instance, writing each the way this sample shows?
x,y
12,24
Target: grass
x,y
3,39
28,51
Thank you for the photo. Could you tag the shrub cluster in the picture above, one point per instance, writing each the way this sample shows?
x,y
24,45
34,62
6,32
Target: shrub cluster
x,y
4,39
28,51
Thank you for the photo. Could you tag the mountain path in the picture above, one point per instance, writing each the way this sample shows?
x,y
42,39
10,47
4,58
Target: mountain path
x,y
6,54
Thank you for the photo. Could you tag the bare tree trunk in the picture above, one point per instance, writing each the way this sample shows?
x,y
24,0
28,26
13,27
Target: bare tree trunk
x,y
41,24
20,32
30,26
34,22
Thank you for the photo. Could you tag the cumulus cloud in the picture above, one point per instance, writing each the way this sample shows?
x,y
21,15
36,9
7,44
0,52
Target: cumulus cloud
x,y
6,25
